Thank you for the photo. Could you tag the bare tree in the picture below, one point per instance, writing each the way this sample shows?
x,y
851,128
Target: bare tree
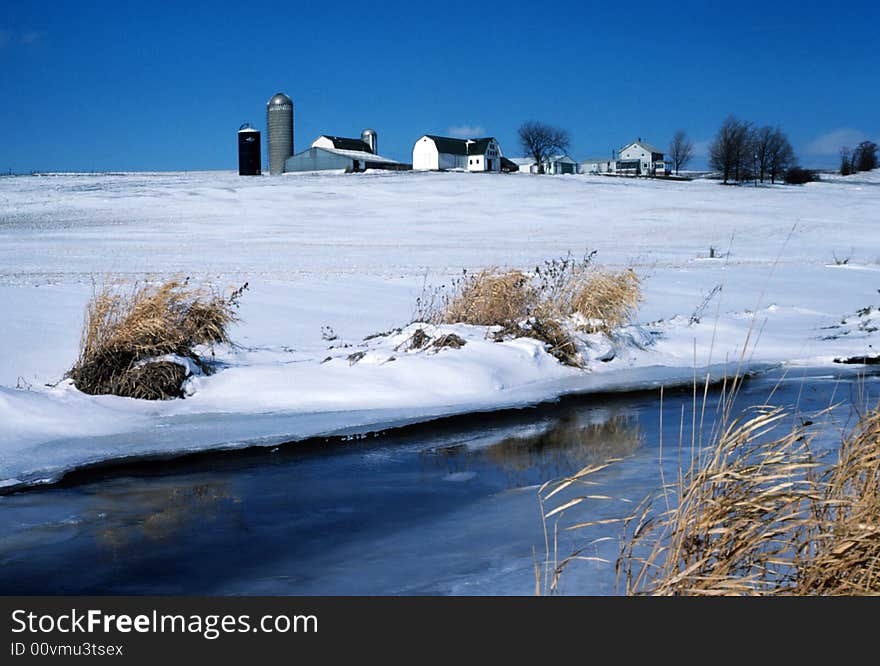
x,y
846,161
764,140
681,150
774,151
540,141
731,150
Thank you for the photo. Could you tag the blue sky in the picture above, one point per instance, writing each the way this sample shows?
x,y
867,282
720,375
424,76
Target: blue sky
x,y
164,86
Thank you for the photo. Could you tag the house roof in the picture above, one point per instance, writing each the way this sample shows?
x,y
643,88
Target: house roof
x,y
452,146
647,146
560,158
523,161
343,143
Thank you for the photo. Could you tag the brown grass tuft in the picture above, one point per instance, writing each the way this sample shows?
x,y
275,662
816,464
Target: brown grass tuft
x,y
491,298
124,330
603,299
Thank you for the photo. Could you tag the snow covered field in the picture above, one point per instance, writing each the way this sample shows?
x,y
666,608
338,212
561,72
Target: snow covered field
x,y
353,253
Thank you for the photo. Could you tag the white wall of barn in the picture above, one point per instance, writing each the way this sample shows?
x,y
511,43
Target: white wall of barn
x,y
425,156
450,161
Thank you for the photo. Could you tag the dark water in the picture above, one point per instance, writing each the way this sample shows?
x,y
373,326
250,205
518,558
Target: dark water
x,y
449,508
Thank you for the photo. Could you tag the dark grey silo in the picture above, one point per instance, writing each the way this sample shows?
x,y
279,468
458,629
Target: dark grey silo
x,y
249,152
279,124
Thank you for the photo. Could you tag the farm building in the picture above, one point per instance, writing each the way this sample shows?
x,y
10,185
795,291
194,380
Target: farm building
x,y
331,153
641,159
557,164
441,153
525,164
598,165
553,165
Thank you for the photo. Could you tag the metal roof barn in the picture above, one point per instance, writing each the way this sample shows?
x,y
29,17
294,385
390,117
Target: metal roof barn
x,y
332,159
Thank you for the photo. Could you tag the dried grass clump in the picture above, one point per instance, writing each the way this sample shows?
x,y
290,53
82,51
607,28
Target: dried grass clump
x,y
604,300
125,331
491,298
755,516
845,555
559,296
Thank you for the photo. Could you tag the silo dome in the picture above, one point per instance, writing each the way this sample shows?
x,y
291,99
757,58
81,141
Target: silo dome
x,y
369,137
280,98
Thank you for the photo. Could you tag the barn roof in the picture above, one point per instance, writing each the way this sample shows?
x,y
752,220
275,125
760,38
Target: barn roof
x,y
343,143
452,146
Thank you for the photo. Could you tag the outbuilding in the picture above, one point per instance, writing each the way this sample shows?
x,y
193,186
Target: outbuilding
x,y
525,164
598,165
559,164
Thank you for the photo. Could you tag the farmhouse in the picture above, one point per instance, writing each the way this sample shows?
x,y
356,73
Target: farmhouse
x,y
439,153
340,153
641,159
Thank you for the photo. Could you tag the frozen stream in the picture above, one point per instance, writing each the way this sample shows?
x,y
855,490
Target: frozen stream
x,y
442,508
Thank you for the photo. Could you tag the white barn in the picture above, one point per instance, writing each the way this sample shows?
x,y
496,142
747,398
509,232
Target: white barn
x,y
438,153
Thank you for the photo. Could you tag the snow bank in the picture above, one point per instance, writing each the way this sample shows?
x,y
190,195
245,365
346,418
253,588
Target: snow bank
x,y
353,253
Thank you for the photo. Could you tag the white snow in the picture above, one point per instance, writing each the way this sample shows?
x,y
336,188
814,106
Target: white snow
x,y
353,253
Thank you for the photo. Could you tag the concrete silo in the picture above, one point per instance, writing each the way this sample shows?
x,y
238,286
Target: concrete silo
x,y
369,137
279,124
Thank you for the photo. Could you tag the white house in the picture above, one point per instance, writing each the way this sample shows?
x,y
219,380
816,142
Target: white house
x,y
441,153
641,159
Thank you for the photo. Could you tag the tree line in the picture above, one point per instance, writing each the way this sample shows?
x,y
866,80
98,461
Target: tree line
x,y
862,158
741,151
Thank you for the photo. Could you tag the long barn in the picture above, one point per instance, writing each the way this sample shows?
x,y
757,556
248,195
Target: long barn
x,y
337,153
439,153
